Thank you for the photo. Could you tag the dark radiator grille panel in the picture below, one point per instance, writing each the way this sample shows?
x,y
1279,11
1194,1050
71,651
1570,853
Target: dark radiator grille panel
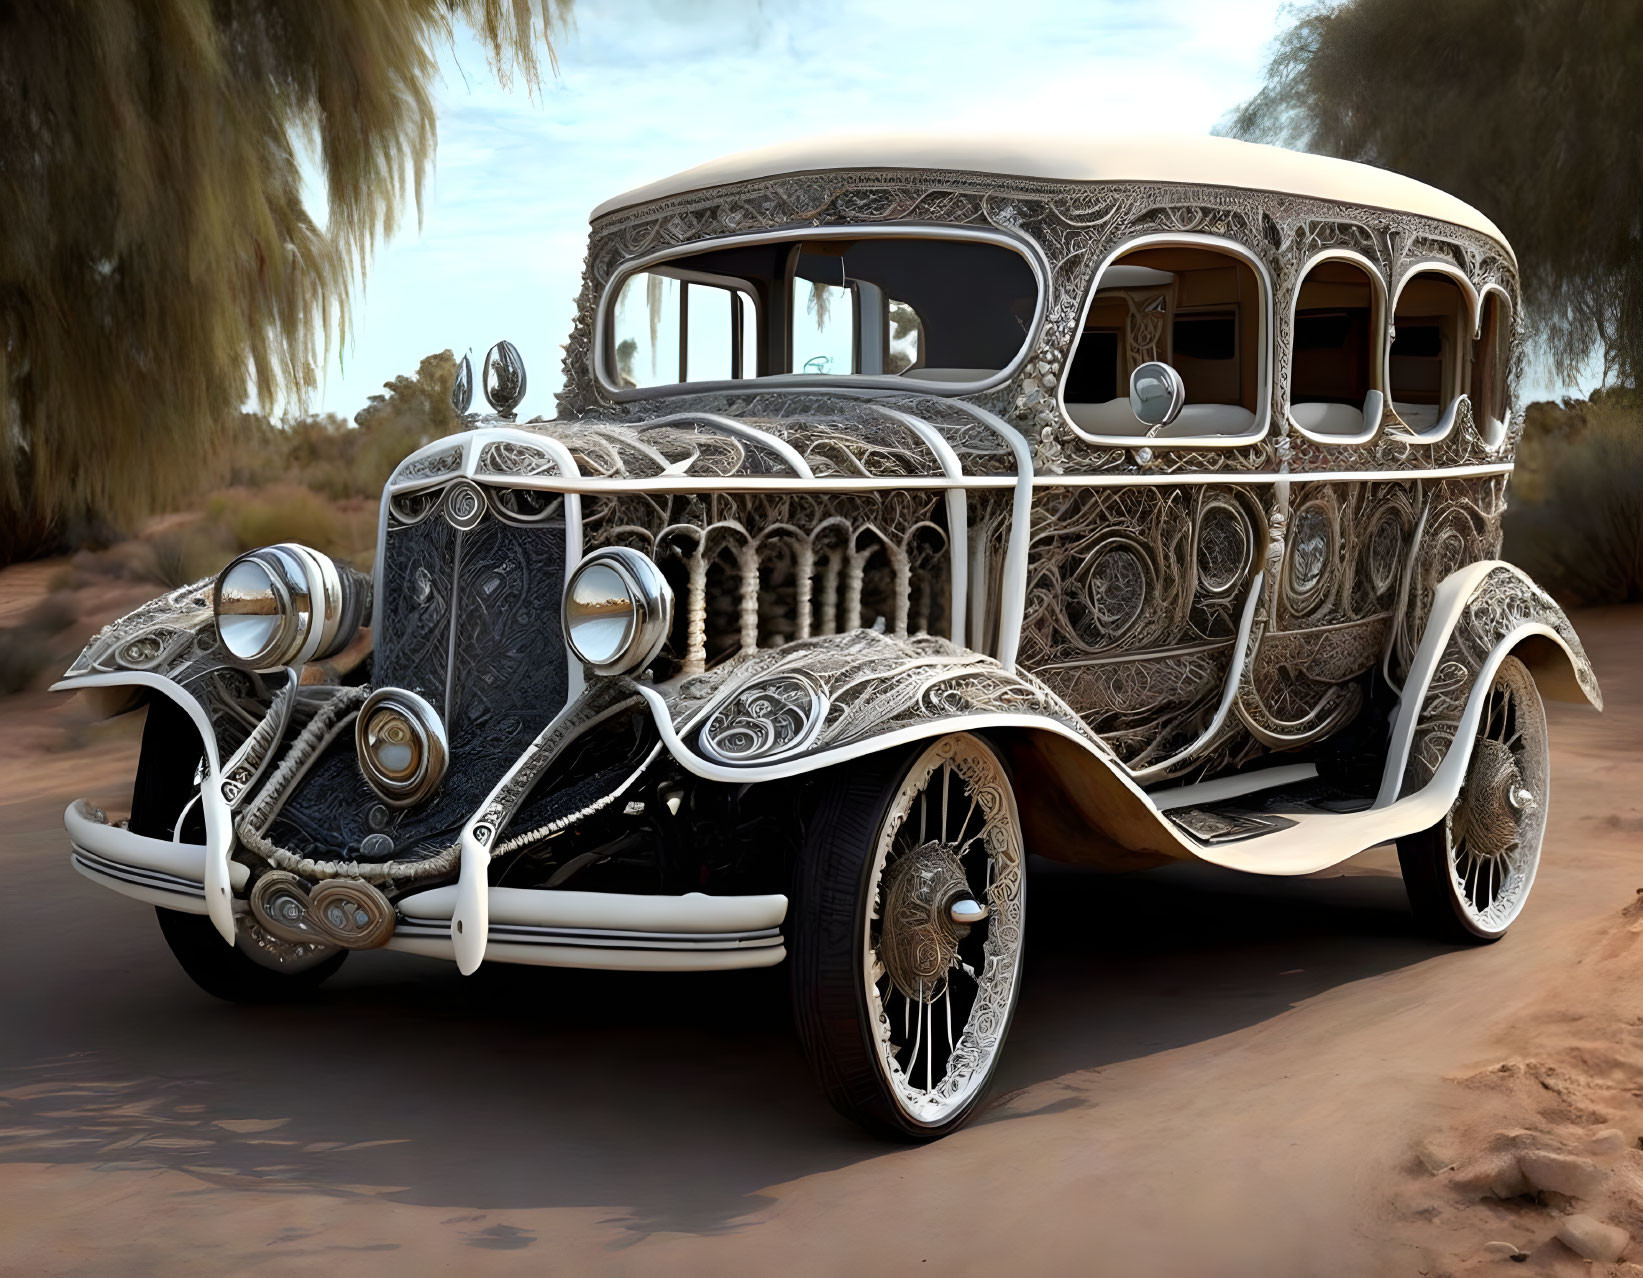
x,y
470,620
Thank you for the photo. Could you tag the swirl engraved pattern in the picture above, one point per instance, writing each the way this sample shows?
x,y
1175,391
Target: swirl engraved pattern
x,y
175,637
873,684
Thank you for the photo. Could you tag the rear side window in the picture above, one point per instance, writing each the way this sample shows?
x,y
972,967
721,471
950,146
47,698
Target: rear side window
x,y
1332,366
1424,366
1198,309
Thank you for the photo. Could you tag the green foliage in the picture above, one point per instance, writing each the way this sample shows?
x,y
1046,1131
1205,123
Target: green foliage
x,y
1529,109
157,264
1576,519
333,457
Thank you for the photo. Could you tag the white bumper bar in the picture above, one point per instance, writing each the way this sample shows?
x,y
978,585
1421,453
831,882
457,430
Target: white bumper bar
x,y
156,871
610,930
545,928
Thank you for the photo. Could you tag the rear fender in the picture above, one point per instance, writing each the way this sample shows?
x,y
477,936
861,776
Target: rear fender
x,y
1480,615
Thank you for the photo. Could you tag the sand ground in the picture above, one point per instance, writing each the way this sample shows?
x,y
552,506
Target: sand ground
x,y
1210,1074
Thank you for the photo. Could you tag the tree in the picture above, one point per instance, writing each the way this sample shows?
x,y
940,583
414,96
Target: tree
x,y
157,265
1529,109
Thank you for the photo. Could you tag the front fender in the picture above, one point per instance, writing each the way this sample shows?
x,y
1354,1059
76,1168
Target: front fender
x,y
785,711
169,647
1480,615
813,703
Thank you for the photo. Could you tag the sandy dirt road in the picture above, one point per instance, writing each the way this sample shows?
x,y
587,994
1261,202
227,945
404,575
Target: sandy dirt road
x,y
1209,1074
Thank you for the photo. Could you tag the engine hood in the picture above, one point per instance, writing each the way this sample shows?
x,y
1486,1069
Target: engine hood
x,y
766,438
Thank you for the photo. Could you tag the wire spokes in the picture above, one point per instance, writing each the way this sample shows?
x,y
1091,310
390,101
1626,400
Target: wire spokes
x,y
928,972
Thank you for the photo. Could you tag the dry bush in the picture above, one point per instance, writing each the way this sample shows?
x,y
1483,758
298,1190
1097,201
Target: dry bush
x,y
26,650
329,455
1576,519
24,654
282,513
179,556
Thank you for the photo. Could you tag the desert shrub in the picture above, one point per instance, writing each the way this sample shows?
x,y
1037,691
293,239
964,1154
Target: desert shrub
x,y
1575,523
26,649
282,513
53,614
333,457
179,556
24,654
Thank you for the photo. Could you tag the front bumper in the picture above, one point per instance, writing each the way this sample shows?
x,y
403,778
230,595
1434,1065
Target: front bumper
x,y
546,927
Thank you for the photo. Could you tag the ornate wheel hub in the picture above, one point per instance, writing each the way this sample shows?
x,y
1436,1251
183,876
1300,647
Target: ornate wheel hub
x,y
1495,827
942,947
1495,802
918,944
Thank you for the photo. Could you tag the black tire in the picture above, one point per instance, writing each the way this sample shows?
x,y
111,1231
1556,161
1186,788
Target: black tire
x,y
831,913
229,972
1424,857
1442,907
246,972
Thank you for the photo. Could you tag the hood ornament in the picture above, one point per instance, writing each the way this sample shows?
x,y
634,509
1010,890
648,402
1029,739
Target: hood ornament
x,y
504,378
462,390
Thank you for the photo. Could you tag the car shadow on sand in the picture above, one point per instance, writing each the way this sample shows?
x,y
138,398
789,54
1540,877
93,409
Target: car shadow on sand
x,y
678,1097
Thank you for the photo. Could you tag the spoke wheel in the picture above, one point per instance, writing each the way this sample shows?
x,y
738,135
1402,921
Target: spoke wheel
x,y
1469,876
903,1003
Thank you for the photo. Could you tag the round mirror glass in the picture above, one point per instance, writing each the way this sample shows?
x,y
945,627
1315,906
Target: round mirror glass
x,y
1156,394
250,612
599,614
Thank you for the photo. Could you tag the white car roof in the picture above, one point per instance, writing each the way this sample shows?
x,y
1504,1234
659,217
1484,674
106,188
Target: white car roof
x,y
1200,160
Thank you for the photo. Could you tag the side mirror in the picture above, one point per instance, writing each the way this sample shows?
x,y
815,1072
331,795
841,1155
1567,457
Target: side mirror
x,y
1157,394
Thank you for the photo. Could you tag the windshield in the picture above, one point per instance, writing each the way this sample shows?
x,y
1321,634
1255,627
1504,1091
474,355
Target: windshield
x,y
942,310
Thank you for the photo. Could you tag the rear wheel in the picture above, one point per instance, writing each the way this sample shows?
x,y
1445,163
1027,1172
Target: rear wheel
x,y
1469,876
907,936
259,967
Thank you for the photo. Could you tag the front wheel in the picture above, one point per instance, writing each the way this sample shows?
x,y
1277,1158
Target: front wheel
x,y
906,938
258,967
1469,876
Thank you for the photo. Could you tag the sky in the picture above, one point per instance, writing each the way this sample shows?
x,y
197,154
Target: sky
x,y
645,88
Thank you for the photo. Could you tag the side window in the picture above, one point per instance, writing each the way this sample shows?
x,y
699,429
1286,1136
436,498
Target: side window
x,y
1491,362
1199,310
666,330
1430,323
1333,346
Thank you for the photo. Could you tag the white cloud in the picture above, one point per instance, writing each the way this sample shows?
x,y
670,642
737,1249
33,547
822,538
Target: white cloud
x,y
648,87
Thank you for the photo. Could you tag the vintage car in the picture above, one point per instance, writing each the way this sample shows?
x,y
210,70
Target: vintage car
x,y
913,504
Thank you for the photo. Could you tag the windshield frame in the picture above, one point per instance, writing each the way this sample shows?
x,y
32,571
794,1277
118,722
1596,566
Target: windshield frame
x,y
1021,245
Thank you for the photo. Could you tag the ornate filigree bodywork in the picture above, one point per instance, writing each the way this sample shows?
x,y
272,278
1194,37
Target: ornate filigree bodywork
x,y
1457,523
174,638
1133,604
1075,226
843,557
864,685
755,571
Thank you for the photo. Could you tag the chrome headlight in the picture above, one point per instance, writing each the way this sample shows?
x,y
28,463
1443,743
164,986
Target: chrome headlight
x,y
286,604
401,745
618,610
